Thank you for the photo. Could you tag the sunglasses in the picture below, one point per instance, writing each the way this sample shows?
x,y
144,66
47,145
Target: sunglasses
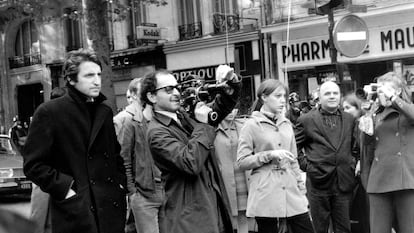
x,y
169,89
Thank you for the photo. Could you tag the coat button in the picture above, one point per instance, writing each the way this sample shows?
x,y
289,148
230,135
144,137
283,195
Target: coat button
x,y
92,209
397,134
110,180
283,188
106,155
280,144
399,153
92,181
116,204
89,157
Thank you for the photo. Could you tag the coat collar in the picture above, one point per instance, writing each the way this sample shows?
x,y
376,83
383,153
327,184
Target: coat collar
x,y
385,113
100,111
77,96
261,118
163,119
317,117
167,121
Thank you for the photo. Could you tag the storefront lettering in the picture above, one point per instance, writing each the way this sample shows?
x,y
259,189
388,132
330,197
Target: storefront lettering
x,y
120,61
206,73
397,39
151,32
306,51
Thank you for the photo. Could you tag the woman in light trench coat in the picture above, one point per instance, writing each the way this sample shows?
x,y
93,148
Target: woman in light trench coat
x,y
267,146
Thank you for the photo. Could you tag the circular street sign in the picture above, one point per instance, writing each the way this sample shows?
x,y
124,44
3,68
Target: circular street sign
x,y
351,36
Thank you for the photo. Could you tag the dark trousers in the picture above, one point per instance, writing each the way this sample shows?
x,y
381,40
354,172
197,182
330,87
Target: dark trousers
x,y
297,224
386,207
326,207
359,210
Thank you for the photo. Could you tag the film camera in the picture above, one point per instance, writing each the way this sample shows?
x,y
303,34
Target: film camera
x,y
370,91
194,89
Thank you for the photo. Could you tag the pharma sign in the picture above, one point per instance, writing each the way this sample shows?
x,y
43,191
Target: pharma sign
x,y
384,41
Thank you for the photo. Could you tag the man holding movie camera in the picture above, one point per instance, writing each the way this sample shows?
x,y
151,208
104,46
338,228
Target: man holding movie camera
x,y
182,147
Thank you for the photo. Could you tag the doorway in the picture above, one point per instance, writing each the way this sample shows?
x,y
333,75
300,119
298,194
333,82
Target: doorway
x,y
29,97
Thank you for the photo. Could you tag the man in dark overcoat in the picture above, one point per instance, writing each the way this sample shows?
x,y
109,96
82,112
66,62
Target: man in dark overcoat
x,y
182,148
326,135
72,153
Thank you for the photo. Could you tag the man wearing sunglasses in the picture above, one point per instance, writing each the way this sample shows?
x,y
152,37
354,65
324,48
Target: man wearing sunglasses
x,y
182,148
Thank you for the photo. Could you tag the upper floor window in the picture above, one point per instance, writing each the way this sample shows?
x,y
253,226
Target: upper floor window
x,y
226,6
27,39
189,12
189,17
139,12
73,31
26,46
226,16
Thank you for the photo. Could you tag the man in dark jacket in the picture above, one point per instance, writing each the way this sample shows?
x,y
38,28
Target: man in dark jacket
x,y
326,135
196,200
72,153
146,191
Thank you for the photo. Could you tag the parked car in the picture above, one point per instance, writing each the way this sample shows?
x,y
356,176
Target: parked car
x,y
12,178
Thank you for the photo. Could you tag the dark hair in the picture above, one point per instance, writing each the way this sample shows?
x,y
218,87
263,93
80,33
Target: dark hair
x,y
266,88
57,92
74,59
149,84
353,100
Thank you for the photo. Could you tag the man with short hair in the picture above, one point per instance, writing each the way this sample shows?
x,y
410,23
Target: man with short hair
x,y
196,200
146,191
131,109
326,135
72,153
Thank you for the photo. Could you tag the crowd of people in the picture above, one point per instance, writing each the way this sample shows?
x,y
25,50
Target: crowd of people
x,y
291,166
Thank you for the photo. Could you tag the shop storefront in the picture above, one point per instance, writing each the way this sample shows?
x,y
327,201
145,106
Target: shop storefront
x,y
202,56
304,61
133,63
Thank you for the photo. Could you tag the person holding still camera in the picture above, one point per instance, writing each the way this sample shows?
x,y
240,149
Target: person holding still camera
x,y
182,148
390,139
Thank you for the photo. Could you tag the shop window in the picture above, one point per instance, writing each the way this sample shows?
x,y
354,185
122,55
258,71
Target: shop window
x,y
240,55
26,46
226,16
56,75
73,30
189,17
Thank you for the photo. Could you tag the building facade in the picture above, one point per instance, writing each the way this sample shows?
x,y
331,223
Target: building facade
x,y
31,60
215,32
302,59
182,36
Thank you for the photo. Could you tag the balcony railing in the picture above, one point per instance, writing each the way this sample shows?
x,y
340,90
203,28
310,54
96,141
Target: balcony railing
x,y
226,23
190,31
25,60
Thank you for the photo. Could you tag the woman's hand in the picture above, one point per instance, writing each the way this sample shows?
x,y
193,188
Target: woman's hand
x,y
281,154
